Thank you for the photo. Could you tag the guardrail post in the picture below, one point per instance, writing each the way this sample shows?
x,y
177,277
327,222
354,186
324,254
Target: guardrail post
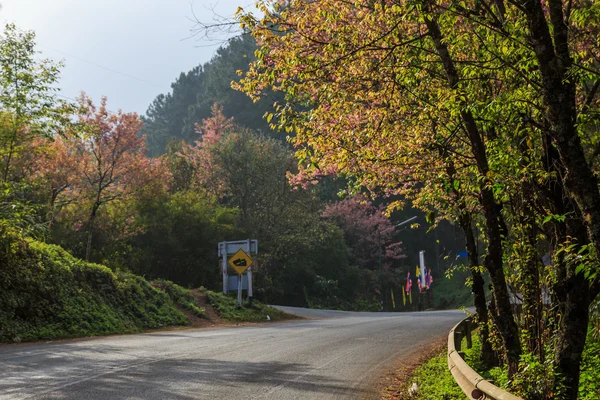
x,y
458,335
468,330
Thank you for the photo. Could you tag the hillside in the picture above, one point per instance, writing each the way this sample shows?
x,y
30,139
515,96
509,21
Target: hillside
x,y
45,293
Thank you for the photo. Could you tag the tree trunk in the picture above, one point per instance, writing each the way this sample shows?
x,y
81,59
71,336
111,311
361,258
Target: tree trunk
x,y
530,286
580,183
9,159
495,226
526,246
487,355
571,334
555,62
88,248
572,292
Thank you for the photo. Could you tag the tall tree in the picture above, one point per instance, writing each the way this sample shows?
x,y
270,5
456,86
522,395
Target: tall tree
x,y
28,104
375,89
367,231
113,160
173,116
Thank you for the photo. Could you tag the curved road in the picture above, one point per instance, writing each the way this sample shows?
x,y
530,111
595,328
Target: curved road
x,y
338,356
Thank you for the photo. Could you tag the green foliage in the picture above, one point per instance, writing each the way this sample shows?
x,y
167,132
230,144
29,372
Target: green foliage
x,y
181,296
256,312
28,104
29,110
589,381
179,237
17,213
48,294
535,380
452,292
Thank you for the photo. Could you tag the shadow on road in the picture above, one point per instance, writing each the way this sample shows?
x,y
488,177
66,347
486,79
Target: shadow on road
x,y
142,378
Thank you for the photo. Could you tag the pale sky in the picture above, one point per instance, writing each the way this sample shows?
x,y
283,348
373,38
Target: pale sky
x,y
128,50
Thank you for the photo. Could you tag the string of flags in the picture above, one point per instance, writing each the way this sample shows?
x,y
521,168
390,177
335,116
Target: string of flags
x,y
424,281
424,278
428,278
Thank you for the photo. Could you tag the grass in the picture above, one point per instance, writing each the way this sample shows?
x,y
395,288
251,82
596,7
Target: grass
x,y
181,296
435,381
256,312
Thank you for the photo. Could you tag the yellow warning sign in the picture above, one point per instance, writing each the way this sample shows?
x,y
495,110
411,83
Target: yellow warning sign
x,y
240,261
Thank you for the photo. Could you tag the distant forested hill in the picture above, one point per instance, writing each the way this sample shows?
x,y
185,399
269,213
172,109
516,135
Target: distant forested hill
x,y
171,116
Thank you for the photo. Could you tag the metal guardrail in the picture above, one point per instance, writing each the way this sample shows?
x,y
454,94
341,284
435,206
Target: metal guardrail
x,y
474,386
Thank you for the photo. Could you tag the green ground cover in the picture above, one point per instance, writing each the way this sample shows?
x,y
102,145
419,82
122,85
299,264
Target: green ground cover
x,y
181,296
435,382
45,293
227,307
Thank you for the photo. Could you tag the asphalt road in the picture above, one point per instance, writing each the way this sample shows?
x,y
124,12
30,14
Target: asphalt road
x,y
340,356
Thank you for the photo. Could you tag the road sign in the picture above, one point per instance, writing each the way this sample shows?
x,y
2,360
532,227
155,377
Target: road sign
x,y
240,261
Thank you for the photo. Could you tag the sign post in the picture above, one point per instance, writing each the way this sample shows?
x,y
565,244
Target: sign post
x,y
236,263
422,265
240,262
421,279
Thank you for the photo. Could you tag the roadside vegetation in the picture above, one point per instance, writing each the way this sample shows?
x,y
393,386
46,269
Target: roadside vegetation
x,y
433,382
228,309
181,296
533,381
48,294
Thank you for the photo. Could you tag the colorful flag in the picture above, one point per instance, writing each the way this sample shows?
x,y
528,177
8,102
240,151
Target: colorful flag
x,y
429,278
403,297
393,301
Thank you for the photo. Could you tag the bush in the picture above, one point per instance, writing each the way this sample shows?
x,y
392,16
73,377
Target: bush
x,y
45,293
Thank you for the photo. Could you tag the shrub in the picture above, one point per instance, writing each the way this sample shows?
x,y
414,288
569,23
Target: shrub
x,y
45,293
